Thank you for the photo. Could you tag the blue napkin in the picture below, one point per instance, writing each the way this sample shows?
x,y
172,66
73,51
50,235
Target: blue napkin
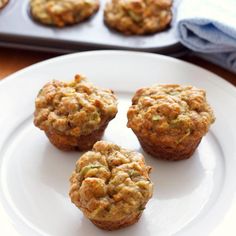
x,y
208,27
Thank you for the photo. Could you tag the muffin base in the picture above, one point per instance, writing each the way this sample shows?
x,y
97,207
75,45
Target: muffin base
x,y
70,143
114,225
167,153
136,30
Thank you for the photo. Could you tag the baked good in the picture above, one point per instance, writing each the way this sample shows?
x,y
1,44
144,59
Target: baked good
x,y
3,3
62,12
138,16
170,120
74,114
111,185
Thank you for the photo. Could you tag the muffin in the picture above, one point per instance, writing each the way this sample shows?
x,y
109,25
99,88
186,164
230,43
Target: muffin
x,y
170,120
74,114
138,16
3,3
111,186
62,12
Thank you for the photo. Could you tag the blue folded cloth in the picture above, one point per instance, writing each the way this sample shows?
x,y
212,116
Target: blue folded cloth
x,y
208,27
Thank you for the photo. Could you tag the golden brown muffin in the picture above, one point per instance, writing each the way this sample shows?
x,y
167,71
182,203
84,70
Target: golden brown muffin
x,y
62,12
138,16
170,120
74,114
3,3
111,185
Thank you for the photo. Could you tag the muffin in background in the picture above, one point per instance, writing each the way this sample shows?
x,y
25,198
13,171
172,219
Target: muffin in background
x,y
74,114
3,3
170,120
111,185
138,17
62,12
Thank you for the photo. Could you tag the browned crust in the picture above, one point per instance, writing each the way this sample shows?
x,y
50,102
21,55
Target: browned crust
x,y
66,18
114,225
3,4
81,143
133,31
167,153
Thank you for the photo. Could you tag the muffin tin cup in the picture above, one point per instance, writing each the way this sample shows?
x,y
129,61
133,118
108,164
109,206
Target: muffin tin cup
x,y
18,29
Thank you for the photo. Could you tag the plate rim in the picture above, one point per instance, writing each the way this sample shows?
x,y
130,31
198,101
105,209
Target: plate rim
x,y
217,79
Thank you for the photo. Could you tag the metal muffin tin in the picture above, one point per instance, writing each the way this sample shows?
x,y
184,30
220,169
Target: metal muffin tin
x,y
18,29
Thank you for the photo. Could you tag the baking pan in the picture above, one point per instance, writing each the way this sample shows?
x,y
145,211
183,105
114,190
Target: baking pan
x,y
18,29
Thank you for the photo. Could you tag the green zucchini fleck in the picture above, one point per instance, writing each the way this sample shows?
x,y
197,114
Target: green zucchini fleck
x,y
85,169
135,16
183,137
156,118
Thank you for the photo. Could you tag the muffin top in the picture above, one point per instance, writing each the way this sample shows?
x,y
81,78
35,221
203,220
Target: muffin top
x,y
138,16
110,182
170,113
73,108
62,12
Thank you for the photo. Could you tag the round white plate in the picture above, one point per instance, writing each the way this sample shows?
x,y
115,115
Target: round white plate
x,y
192,197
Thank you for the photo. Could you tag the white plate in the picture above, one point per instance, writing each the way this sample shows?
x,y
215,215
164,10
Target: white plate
x,y
192,197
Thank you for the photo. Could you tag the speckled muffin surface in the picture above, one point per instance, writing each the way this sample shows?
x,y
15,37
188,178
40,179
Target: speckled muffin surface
x,y
170,120
62,12
111,185
3,3
138,16
74,114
